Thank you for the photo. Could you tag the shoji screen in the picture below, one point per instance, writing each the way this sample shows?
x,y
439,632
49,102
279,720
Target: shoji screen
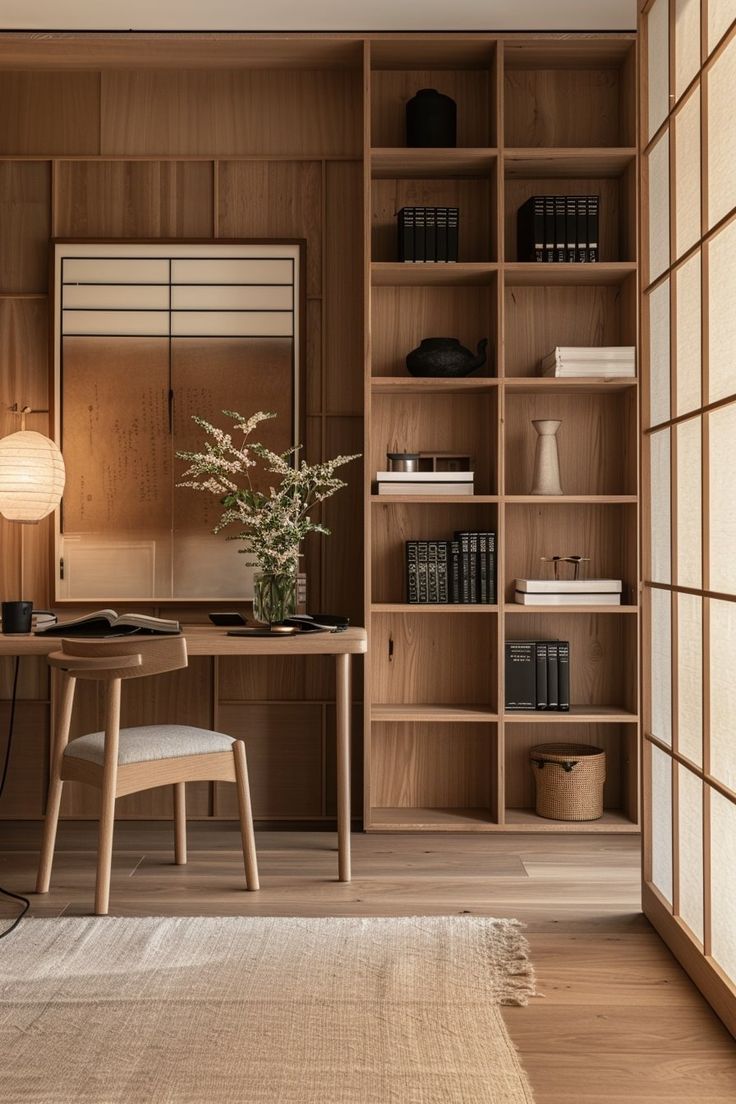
x,y
688,137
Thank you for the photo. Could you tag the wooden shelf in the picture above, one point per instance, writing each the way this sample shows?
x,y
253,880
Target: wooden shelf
x,y
428,385
478,714
430,607
584,499
526,820
391,161
514,607
462,274
570,162
579,714
546,385
526,274
426,820
437,500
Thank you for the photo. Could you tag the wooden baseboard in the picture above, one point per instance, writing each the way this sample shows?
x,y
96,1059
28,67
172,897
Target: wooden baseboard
x,y
717,990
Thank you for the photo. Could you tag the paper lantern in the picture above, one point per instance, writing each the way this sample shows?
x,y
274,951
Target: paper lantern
x,y
31,476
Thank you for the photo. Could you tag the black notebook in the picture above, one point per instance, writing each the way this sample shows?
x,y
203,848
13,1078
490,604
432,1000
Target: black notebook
x,y
106,622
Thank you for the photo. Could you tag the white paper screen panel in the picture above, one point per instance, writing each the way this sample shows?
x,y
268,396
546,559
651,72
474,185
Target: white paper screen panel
x,y
126,323
658,73
688,335
689,503
721,135
660,521
232,324
661,810
659,353
722,616
687,43
687,174
254,270
722,528
116,297
115,270
232,297
721,313
690,677
723,881
659,207
721,14
690,836
661,665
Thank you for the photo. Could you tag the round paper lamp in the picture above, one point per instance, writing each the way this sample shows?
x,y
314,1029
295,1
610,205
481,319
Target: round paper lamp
x,y
31,476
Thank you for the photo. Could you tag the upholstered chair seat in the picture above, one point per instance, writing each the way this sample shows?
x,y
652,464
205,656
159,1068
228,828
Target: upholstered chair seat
x,y
146,743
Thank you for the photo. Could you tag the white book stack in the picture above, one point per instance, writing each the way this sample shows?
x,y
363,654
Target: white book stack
x,y
425,483
568,592
603,362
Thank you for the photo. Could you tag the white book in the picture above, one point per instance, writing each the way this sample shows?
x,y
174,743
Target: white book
x,y
568,353
590,372
425,477
590,361
569,586
425,489
576,599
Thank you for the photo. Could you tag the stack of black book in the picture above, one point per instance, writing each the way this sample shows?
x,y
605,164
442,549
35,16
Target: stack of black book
x,y
428,233
455,572
559,228
537,675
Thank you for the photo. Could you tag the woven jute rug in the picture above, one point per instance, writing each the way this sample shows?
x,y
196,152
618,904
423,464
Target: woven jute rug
x,y
262,1010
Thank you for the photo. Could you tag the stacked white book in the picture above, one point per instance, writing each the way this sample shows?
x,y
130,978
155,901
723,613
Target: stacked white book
x,y
601,362
425,483
568,592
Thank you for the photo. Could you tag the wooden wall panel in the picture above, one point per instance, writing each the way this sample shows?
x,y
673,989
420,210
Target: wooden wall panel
x,y
279,199
220,113
25,224
343,514
48,113
134,199
432,765
28,770
265,678
24,357
284,748
343,307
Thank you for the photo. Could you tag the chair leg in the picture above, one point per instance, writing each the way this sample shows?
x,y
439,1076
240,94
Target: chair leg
x,y
180,823
107,811
246,816
56,785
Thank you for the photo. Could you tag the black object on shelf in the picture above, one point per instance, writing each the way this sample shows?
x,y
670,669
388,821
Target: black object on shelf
x,y
456,572
558,228
431,119
537,675
428,234
445,357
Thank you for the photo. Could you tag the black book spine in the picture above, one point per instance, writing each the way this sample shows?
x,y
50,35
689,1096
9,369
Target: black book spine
x,y
455,582
474,573
443,582
530,229
520,675
412,584
541,674
406,234
441,234
464,539
593,251
582,231
563,676
552,675
549,228
492,568
423,572
420,233
571,225
430,230
483,568
433,581
560,229
453,233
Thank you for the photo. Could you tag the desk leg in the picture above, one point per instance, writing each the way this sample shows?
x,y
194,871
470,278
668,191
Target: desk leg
x,y
342,703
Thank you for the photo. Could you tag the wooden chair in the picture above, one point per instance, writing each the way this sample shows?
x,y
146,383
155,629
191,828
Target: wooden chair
x,y
122,761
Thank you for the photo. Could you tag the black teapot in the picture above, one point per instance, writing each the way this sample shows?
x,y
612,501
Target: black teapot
x,y
445,356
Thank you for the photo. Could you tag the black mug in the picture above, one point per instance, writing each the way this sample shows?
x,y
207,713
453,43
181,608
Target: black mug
x,y
17,617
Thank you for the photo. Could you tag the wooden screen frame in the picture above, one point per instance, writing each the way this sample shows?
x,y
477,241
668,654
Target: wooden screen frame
x,y
298,426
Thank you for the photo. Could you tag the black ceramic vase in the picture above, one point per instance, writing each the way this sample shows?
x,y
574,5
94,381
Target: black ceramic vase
x,y
431,119
445,356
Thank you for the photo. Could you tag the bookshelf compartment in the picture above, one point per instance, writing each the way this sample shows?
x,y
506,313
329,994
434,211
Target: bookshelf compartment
x,y
438,660
617,210
403,316
566,97
395,523
456,423
619,741
603,660
475,198
419,766
537,319
605,533
596,442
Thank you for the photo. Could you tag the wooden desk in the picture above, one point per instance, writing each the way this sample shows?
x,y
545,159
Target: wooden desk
x,y
206,640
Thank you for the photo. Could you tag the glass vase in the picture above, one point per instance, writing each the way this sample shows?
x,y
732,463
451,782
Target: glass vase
x,y
274,597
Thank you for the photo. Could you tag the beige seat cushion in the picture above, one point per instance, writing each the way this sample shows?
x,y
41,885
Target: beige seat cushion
x,y
149,742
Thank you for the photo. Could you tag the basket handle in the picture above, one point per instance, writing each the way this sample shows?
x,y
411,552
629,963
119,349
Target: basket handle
x,y
566,764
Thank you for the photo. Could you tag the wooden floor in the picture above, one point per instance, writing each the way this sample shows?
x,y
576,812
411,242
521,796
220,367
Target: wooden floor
x,y
616,1019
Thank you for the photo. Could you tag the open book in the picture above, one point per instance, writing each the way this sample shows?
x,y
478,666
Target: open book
x,y
106,622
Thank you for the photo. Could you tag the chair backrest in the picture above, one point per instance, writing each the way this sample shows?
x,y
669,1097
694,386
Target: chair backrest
x,y
121,657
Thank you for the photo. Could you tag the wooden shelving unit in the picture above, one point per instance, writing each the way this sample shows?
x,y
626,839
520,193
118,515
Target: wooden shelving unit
x,y
535,115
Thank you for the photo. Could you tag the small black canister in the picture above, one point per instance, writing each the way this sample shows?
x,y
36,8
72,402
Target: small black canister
x,y
431,119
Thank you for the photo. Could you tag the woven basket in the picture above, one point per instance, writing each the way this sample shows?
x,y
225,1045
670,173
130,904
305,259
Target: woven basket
x,y
569,781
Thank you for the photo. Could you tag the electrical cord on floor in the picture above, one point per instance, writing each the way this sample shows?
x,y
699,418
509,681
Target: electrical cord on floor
x,y
6,892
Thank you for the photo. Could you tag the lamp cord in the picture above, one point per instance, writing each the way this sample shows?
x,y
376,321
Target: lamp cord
x,y
6,892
